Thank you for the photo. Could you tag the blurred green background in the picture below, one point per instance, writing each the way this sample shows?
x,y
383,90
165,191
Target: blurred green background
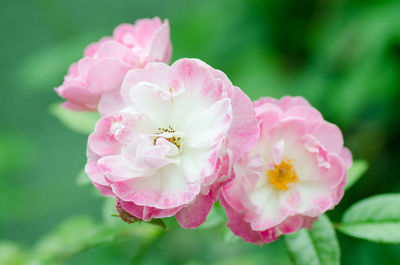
x,y
343,56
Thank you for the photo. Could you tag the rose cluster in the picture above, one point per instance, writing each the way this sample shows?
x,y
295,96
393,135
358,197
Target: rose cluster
x,y
174,139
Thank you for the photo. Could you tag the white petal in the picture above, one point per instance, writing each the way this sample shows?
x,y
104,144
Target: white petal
x,y
208,127
152,101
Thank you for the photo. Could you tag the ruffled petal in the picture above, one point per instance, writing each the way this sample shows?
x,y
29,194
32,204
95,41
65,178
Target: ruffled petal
x,y
167,188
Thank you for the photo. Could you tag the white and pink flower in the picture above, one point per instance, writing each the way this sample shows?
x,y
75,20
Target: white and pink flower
x,y
104,65
296,172
170,144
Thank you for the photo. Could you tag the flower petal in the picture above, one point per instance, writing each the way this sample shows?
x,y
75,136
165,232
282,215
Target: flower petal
x,y
167,188
106,75
209,126
161,48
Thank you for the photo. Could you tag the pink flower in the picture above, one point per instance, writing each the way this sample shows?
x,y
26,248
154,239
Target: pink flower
x,y
296,172
172,143
105,63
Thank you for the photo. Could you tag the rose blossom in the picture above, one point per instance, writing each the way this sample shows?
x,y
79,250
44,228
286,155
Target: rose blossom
x,y
105,63
172,143
295,173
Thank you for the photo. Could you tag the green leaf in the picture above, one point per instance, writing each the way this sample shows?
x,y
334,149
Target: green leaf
x,y
159,223
82,122
316,247
73,235
80,233
356,172
171,223
376,219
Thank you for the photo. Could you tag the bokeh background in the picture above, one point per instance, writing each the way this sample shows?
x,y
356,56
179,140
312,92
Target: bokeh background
x,y
343,56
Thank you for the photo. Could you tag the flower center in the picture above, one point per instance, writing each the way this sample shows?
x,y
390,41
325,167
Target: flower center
x,y
282,175
176,140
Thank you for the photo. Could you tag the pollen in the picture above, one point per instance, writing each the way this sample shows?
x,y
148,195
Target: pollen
x,y
176,140
282,175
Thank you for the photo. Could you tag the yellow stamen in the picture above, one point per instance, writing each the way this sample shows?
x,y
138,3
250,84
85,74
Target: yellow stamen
x,y
282,175
176,140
